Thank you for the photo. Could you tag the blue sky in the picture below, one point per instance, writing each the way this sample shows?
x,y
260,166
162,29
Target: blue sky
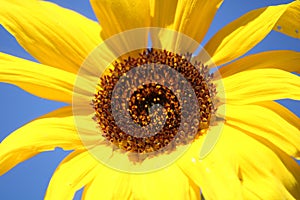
x,y
29,180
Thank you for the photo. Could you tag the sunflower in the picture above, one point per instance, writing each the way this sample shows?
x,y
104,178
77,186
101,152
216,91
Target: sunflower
x,y
247,152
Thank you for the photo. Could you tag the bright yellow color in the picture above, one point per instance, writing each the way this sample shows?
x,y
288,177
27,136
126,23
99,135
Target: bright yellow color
x,y
53,35
43,134
261,85
175,15
252,159
241,35
283,112
41,80
285,60
217,182
247,168
239,164
143,186
289,23
119,15
204,10
271,126
75,171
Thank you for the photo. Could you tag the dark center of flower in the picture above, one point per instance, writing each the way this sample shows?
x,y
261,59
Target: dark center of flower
x,y
153,105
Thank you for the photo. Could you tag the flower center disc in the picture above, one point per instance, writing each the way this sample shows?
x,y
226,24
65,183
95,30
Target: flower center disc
x,y
139,109
159,127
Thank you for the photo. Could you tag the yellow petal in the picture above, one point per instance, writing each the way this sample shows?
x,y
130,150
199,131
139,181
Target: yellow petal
x,y
110,184
283,112
240,167
163,13
76,170
213,180
261,121
289,23
190,17
193,17
53,35
160,185
130,19
264,170
119,15
285,60
41,80
241,35
44,134
261,85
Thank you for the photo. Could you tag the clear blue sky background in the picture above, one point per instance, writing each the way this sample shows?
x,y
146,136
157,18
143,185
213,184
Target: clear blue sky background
x,y
29,180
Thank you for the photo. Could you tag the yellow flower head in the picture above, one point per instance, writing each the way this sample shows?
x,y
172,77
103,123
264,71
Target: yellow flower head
x,y
151,114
